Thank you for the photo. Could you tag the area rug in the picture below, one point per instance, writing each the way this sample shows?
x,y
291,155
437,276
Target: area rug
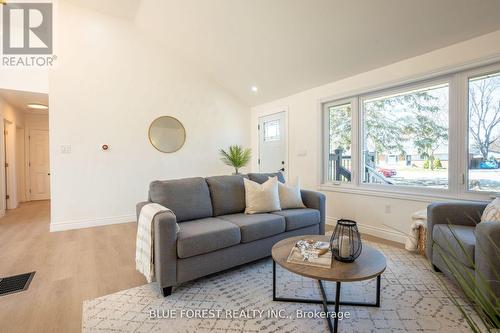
x,y
240,300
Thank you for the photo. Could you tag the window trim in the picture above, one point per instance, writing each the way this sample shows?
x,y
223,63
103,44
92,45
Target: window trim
x,y
457,143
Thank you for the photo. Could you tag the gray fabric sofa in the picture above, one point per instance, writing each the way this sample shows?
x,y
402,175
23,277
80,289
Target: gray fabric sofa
x,y
214,233
455,233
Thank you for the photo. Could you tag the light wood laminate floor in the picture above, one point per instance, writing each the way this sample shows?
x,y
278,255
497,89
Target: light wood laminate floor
x,y
70,266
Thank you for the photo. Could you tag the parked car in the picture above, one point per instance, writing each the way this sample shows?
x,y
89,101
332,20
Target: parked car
x,y
488,165
387,172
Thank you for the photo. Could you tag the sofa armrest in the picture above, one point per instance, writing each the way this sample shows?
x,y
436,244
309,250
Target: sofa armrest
x,y
139,206
487,255
315,200
165,249
165,246
458,213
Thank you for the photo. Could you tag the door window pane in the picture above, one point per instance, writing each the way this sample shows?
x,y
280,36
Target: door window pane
x,y
405,138
340,140
271,130
484,133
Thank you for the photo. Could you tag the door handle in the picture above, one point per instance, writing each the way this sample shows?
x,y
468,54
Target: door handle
x,y
282,169
48,174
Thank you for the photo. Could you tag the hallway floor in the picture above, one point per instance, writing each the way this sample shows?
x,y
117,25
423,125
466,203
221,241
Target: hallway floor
x,y
71,266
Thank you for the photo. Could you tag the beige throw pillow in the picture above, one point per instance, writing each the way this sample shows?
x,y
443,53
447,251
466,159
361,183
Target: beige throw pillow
x,y
290,196
261,198
492,211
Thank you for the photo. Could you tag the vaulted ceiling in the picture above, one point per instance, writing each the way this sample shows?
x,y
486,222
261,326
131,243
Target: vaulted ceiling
x,y
287,46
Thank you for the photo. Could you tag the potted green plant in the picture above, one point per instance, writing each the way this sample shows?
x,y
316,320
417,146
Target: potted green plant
x,y
474,285
236,156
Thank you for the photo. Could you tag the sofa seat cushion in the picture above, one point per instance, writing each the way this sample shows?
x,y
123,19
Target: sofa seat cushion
x,y
256,226
205,235
299,218
442,234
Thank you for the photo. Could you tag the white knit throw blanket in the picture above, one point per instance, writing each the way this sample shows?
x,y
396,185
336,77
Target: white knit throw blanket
x,y
418,219
144,246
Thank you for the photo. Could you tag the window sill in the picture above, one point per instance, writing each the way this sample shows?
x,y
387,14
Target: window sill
x,y
401,195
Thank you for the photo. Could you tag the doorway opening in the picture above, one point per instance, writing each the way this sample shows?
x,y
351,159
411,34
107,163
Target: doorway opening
x,y
25,156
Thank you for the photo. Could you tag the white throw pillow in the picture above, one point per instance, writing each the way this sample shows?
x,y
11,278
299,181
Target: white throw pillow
x,y
261,198
492,211
290,196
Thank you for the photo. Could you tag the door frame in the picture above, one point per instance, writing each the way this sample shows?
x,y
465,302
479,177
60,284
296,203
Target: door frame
x,y
287,136
9,173
21,164
27,160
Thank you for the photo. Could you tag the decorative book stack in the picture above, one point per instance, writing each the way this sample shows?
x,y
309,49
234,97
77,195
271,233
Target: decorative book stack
x,y
309,253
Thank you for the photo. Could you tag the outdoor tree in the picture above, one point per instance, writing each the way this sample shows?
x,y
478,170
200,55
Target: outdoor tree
x,y
340,127
383,129
484,108
391,122
428,135
396,123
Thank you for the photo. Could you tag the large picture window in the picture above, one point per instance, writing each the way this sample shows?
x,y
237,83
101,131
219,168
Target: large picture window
x,y
484,133
405,138
438,137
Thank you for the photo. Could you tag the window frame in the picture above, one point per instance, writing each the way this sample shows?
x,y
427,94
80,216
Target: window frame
x,y
395,91
326,140
458,141
464,77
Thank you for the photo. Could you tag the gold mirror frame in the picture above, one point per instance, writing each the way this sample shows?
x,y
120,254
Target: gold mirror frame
x,y
183,132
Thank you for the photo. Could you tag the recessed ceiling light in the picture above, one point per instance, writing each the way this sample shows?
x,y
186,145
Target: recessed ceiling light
x,y
254,89
38,106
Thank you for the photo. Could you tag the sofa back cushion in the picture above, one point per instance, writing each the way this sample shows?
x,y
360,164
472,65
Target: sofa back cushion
x,y
263,177
188,198
227,193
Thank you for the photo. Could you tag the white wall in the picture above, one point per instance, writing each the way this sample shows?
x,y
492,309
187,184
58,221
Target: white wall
x,y
305,131
13,119
24,79
110,82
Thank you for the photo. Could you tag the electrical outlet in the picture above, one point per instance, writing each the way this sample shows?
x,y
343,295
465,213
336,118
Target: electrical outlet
x,y
388,209
65,149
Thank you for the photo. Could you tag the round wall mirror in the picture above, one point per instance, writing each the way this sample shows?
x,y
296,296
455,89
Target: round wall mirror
x,y
167,134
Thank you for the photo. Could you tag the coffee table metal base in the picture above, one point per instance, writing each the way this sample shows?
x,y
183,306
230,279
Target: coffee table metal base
x,y
325,302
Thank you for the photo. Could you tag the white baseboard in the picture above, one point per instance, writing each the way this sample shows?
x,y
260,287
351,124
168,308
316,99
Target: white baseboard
x,y
374,231
88,223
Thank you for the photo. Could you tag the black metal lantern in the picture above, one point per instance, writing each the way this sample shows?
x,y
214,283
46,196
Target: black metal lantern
x,y
345,243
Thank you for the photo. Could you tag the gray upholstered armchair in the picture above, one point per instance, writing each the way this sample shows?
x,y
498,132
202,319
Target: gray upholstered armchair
x,y
456,235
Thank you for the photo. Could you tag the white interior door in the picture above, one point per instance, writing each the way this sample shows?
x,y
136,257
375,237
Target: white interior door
x,y
272,143
39,165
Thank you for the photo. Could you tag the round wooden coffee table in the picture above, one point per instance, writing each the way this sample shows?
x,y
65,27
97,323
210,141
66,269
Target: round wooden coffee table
x,y
369,265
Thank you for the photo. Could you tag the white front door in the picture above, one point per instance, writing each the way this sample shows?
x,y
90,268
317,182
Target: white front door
x,y
39,165
272,143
